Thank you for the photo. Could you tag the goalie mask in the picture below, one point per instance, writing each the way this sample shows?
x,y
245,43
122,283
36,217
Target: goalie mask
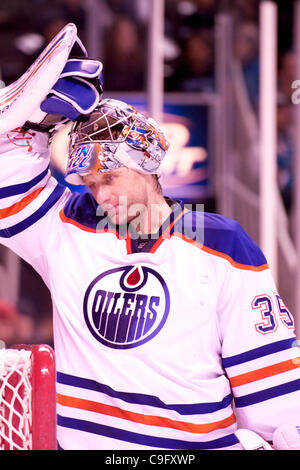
x,y
114,135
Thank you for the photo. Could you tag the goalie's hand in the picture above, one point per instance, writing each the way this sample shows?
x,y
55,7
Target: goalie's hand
x,y
77,91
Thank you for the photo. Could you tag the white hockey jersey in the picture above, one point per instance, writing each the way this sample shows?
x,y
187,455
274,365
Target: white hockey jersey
x,y
165,344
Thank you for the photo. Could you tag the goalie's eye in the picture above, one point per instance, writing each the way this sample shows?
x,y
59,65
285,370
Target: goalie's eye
x,y
107,178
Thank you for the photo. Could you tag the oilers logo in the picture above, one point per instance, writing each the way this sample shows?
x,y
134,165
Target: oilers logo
x,y
133,313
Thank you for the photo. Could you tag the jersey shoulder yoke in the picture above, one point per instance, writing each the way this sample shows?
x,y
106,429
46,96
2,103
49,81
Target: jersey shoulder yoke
x,y
223,237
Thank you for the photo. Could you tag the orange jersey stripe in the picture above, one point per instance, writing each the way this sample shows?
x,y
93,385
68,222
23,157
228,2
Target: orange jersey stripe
x,y
109,410
128,245
68,220
265,372
220,254
18,206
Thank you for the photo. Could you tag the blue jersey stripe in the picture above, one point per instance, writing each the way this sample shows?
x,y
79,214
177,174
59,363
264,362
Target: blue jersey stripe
x,y
142,439
143,399
37,215
22,188
259,352
268,394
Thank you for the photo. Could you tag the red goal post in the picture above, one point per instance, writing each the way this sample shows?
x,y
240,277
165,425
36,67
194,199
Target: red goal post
x,y
27,398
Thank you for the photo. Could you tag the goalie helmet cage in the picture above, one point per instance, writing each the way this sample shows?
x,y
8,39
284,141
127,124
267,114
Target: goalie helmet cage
x,y
27,398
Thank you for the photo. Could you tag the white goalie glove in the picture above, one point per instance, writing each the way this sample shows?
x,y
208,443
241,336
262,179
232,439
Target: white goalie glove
x,y
250,440
62,82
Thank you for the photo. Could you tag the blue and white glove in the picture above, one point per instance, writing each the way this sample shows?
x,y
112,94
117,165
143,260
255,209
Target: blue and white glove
x,y
58,87
77,91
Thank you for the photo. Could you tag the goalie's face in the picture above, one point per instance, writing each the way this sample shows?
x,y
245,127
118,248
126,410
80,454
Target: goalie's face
x,y
122,194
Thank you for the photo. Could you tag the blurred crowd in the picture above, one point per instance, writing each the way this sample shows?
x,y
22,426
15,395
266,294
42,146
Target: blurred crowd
x,y
29,319
246,50
189,66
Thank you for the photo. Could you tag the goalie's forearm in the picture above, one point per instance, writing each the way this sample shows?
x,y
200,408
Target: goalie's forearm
x,y
56,87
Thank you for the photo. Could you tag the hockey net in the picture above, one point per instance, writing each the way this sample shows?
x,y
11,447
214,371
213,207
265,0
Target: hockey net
x,y
27,398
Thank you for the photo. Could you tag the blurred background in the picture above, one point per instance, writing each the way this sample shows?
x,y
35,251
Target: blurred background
x,y
195,66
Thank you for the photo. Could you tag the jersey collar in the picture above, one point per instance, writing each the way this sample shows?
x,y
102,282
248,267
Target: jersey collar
x,y
150,243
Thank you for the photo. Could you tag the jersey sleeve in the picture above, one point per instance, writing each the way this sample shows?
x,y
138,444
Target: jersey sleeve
x,y
260,353
29,196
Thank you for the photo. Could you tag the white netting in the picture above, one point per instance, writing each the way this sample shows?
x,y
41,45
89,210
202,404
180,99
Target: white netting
x,y
15,399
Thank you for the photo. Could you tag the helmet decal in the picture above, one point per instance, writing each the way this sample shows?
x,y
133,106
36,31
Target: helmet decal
x,y
115,134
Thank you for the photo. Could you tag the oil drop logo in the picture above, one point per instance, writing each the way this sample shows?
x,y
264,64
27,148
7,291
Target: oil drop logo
x,y
131,314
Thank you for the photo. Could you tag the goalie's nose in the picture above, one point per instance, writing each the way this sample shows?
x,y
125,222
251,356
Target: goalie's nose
x,y
102,194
